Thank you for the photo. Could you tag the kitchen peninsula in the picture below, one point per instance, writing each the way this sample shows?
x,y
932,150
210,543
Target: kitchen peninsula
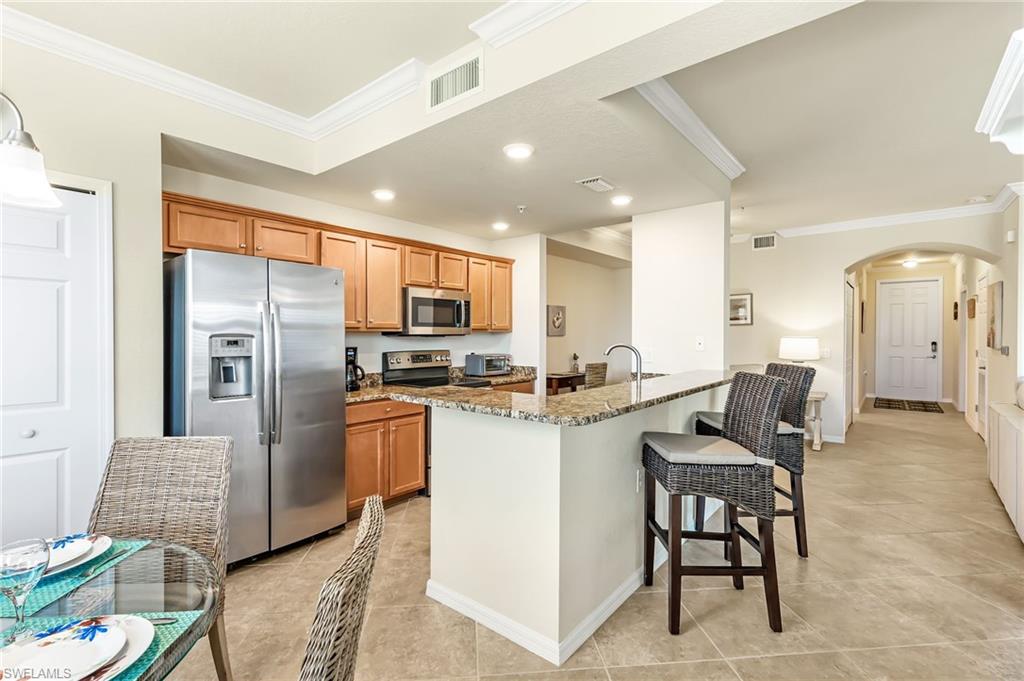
x,y
536,508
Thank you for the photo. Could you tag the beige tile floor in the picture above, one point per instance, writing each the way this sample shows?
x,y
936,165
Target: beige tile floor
x,y
915,573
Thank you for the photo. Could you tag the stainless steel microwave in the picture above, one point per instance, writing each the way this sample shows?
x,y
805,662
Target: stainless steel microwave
x,y
435,312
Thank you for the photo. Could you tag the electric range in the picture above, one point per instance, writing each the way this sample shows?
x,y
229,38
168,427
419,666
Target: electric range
x,y
423,369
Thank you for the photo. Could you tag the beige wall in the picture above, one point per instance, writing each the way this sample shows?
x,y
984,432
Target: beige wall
x,y
949,342
597,302
798,289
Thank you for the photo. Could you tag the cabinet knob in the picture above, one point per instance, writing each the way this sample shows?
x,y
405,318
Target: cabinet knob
x,y
259,248
28,433
241,245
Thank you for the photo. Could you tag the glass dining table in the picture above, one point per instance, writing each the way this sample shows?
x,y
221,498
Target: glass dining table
x,y
161,577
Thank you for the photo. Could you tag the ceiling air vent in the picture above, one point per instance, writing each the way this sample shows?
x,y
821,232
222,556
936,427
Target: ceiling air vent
x,y
596,184
462,80
760,242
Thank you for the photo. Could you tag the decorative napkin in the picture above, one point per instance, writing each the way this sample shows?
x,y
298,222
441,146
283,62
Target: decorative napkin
x,y
49,589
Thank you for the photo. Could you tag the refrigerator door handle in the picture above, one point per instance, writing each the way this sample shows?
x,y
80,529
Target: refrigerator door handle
x,y
263,396
275,325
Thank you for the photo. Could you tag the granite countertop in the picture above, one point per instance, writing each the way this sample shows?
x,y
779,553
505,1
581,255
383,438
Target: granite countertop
x,y
567,409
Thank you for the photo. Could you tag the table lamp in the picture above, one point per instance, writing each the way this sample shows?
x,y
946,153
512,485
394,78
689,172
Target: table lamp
x,y
799,348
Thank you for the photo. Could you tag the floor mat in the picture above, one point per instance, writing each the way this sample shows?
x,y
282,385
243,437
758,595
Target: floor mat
x,y
908,405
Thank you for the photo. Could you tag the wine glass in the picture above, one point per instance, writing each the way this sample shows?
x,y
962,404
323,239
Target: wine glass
x,y
21,565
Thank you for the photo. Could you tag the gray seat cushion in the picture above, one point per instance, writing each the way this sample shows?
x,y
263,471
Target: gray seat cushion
x,y
699,449
715,419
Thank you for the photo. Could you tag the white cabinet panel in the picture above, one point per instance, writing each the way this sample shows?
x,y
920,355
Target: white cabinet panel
x,y
1008,466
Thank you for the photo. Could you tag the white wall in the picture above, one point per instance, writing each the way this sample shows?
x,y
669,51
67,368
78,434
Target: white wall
x,y
680,287
529,296
370,344
597,302
798,289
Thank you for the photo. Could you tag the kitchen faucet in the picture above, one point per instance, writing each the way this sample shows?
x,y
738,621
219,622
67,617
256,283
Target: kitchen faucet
x,y
639,359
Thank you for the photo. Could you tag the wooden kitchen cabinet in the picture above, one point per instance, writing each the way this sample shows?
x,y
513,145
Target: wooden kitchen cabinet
x,y
383,285
407,455
419,266
366,447
501,296
385,450
285,241
205,228
452,271
348,253
479,285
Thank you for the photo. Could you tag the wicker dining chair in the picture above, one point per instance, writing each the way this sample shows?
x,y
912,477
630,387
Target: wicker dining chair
x,y
736,468
174,489
334,636
596,374
790,453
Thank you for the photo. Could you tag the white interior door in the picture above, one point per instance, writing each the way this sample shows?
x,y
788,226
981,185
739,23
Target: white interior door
x,y
908,348
851,324
55,378
981,336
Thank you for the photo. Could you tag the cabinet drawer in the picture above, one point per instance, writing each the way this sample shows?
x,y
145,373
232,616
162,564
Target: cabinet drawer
x,y
362,412
521,387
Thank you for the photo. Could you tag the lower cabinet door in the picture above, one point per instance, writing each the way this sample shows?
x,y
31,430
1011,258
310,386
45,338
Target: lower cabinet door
x,y
366,446
407,455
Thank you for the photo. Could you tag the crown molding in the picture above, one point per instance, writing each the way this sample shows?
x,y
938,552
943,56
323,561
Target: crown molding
x,y
674,109
397,83
1002,115
1000,203
515,19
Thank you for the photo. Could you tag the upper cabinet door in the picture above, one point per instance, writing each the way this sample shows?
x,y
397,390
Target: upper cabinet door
x,y
501,296
451,271
420,267
285,241
383,285
348,253
206,228
479,281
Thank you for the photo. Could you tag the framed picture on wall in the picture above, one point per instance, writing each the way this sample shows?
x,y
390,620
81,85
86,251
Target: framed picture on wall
x,y
556,320
994,325
972,306
741,309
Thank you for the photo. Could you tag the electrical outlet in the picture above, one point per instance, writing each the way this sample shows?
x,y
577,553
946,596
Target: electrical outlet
x,y
700,344
826,353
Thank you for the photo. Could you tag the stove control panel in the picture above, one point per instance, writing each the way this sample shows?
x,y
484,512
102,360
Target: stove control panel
x,y
415,359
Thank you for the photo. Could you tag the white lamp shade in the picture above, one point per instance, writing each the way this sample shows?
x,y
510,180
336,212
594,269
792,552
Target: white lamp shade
x,y
799,348
23,178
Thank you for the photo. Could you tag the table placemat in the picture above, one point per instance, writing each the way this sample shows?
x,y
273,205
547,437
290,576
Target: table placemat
x,y
163,636
49,589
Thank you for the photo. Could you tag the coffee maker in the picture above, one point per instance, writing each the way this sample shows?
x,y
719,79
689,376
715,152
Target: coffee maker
x,y
353,372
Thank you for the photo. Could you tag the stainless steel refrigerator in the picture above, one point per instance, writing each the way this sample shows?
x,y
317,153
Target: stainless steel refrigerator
x,y
255,349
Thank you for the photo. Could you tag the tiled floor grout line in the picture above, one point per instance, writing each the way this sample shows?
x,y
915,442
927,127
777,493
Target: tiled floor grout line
x,y
710,640
978,596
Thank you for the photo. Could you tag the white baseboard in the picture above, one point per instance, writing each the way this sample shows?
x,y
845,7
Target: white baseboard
x,y
834,439
871,395
555,652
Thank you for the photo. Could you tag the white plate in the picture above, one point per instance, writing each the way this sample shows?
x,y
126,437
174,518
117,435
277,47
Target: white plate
x,y
140,632
70,654
101,543
65,549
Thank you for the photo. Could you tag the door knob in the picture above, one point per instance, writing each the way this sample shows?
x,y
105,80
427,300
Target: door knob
x,y
28,433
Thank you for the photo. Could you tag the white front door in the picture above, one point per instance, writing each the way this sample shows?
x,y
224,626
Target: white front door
x,y
908,354
55,379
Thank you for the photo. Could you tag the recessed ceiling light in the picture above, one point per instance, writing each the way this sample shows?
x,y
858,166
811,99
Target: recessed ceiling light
x,y
500,226
383,194
622,200
518,150
981,198
910,263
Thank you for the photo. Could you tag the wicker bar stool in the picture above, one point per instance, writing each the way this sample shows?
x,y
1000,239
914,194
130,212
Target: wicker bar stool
x,y
334,636
737,469
790,449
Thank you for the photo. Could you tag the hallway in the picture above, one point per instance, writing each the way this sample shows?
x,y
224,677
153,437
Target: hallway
x,y
914,573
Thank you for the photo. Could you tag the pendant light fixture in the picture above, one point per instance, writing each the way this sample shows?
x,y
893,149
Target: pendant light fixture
x,y
22,174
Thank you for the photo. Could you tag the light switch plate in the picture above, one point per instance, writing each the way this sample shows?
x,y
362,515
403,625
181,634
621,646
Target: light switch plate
x,y
826,353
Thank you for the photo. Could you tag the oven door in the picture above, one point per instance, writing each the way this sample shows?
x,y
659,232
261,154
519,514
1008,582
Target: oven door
x,y
433,312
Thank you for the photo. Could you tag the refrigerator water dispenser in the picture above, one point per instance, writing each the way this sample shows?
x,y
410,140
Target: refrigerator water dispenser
x,y
230,367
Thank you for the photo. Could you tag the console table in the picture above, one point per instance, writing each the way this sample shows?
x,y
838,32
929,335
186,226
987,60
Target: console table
x,y
814,401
